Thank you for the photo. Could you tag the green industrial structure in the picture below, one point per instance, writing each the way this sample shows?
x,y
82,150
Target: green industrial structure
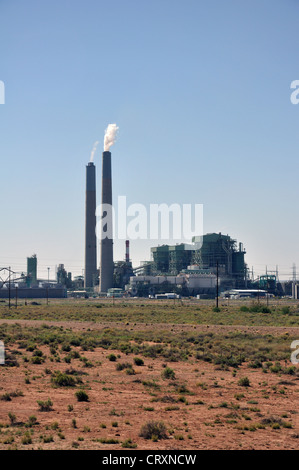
x,y
31,271
207,254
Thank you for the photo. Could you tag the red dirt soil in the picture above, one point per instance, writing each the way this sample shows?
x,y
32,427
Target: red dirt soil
x,y
214,413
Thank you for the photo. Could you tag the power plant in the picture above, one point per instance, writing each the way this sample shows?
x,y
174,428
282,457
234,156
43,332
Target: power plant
x,y
212,262
90,271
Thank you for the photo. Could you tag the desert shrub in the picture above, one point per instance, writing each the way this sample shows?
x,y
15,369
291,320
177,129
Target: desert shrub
x,y
26,439
37,360
256,364
112,357
123,365
244,382
32,421
150,383
168,373
63,380
81,395
290,370
55,426
244,308
12,418
276,368
5,397
75,342
182,389
271,420
257,308
229,361
45,405
47,439
8,440
128,444
37,353
74,355
105,440
138,361
153,430
265,310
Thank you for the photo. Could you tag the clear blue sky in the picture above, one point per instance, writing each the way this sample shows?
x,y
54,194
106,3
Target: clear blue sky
x,y
201,93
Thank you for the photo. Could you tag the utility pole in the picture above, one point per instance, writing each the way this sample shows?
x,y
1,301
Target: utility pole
x,y
294,281
217,287
9,288
16,297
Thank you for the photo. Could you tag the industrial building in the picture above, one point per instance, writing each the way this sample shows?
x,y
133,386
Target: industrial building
x,y
14,285
123,270
22,292
184,284
192,269
64,278
31,271
211,252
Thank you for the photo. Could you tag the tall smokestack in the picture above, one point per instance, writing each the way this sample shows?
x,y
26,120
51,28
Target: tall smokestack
x,y
107,267
90,227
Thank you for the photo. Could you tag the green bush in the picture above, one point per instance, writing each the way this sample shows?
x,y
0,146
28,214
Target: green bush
x,y
63,380
138,361
123,365
45,405
5,397
244,382
153,430
81,395
244,308
128,444
32,421
112,357
168,373
37,360
26,439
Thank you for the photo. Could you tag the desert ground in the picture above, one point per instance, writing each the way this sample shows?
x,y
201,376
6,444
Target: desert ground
x,y
145,374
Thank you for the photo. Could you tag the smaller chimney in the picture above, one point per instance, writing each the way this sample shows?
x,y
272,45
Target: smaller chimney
x,y
127,251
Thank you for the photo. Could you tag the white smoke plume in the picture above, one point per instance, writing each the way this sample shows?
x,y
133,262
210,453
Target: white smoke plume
x,y
93,150
110,136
